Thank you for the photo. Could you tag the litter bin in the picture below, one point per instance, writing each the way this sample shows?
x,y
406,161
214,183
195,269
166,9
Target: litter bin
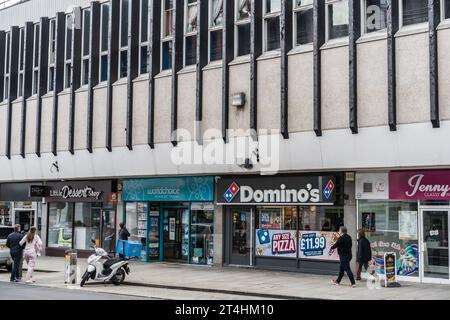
x,y
71,267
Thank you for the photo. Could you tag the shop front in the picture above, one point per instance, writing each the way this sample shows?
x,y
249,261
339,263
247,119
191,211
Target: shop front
x,y
282,222
407,213
79,212
18,206
173,218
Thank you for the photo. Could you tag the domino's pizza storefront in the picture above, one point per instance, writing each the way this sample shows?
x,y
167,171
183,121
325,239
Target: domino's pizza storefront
x,y
282,222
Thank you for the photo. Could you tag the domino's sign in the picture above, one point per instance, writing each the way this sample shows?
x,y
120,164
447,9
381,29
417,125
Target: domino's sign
x,y
277,190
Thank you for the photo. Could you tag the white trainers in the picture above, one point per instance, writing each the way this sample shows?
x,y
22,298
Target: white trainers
x,y
29,281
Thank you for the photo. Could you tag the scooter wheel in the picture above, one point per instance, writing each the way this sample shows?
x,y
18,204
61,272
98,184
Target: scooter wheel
x,y
85,278
119,277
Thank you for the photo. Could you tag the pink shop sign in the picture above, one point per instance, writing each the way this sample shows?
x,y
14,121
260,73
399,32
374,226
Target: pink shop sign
x,y
419,185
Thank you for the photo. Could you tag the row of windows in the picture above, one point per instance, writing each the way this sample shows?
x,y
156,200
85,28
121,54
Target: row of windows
x,y
337,19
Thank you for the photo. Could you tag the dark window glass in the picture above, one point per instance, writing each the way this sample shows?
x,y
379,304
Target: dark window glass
x,y
6,88
67,73
85,72
52,41
69,37
20,88
304,27
375,15
36,45
216,45
338,20
105,18
447,9
22,49
51,79
167,55
415,11
7,54
243,39
144,60
124,26
144,21
191,50
86,31
273,33
35,81
123,64
104,68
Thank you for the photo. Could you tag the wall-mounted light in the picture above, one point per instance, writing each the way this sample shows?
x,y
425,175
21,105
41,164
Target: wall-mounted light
x,y
238,100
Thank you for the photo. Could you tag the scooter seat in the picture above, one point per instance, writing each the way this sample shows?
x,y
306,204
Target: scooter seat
x,y
110,262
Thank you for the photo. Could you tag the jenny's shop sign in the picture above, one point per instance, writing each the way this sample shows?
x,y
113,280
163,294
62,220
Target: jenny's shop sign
x,y
419,185
79,191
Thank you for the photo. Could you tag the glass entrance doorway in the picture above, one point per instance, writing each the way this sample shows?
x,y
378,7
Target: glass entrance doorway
x,y
241,236
434,246
175,234
25,219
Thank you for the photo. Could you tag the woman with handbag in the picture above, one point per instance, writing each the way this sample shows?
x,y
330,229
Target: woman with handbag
x,y
32,251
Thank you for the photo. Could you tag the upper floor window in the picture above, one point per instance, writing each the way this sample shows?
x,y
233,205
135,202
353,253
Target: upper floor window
x,y
36,47
68,51
190,32
272,11
143,38
7,68
215,29
303,22
446,9
242,27
123,56
51,55
413,12
375,15
85,43
21,62
167,35
337,19
104,42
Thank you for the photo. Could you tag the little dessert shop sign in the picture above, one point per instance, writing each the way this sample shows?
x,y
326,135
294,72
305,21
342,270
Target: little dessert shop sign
x,y
79,191
419,185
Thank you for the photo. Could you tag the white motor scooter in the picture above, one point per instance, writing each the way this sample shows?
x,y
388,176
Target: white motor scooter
x,y
99,269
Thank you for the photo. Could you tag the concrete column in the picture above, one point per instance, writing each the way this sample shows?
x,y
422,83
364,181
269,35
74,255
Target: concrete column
x,y
44,223
218,236
350,214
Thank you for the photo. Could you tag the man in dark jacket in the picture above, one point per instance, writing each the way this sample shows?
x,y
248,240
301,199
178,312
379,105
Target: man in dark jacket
x,y
364,253
123,235
15,249
344,248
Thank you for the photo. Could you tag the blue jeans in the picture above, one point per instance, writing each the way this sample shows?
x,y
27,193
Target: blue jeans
x,y
345,267
16,257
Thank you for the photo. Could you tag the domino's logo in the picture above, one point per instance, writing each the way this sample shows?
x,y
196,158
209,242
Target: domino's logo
x,y
231,192
328,190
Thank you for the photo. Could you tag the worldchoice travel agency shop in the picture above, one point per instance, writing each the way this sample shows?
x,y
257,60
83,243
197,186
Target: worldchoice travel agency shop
x,y
407,213
284,222
172,217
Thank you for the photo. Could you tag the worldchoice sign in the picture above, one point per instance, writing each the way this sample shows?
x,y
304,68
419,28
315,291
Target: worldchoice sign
x,y
277,190
169,189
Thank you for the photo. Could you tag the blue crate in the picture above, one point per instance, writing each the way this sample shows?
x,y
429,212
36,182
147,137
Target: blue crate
x,y
128,248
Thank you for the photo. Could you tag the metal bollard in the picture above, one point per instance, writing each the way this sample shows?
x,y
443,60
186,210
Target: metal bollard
x,y
70,275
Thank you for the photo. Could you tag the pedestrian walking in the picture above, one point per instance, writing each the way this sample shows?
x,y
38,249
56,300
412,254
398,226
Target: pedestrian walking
x,y
15,250
363,254
344,248
32,250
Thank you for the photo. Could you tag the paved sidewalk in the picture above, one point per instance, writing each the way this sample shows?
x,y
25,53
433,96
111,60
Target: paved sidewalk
x,y
173,281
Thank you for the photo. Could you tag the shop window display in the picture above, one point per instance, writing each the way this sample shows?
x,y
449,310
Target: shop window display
x,y
391,226
202,233
136,222
60,220
87,226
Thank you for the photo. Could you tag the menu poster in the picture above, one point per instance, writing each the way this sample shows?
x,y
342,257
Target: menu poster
x,y
172,229
407,225
389,269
